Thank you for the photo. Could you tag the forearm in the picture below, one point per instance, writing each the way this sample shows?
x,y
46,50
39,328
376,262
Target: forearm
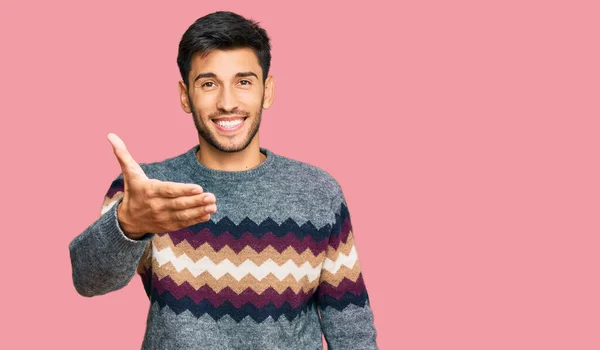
x,y
346,315
351,327
103,259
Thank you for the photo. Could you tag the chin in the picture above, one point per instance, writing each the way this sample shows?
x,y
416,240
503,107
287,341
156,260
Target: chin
x,y
229,148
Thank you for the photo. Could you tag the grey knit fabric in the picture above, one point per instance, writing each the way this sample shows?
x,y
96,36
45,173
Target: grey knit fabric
x,y
275,267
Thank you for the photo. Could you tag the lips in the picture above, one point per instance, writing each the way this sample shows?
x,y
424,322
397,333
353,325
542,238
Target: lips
x,y
230,118
229,124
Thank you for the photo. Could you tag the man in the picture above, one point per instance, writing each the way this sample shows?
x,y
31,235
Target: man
x,y
275,266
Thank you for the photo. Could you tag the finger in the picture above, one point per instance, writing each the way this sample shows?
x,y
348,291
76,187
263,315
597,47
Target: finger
x,y
130,168
186,202
168,189
194,213
197,221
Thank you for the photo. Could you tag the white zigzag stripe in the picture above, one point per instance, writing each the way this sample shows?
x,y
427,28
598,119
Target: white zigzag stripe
x,y
348,260
107,207
249,267
238,272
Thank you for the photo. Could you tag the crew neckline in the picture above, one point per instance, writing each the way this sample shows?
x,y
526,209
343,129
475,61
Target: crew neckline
x,y
203,171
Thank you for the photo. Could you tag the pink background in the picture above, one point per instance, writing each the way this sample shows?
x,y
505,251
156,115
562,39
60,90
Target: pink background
x,y
464,134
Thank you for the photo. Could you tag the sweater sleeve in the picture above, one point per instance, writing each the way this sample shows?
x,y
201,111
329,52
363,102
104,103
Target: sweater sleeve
x,y
103,259
346,316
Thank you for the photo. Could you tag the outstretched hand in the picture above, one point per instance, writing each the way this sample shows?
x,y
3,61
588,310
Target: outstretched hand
x,y
154,206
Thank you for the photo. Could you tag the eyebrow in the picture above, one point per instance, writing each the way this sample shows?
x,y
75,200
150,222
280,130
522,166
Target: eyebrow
x,y
238,75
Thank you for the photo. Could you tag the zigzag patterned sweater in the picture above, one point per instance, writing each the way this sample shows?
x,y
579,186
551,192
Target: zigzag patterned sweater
x,y
276,267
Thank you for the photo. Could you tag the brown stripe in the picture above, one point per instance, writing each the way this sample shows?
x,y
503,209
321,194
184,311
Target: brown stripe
x,y
115,197
146,260
344,271
229,281
342,248
206,250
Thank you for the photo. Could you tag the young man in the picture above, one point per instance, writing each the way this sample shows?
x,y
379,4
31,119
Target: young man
x,y
275,266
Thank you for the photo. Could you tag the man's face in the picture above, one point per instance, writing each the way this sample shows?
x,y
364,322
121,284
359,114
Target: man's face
x,y
226,96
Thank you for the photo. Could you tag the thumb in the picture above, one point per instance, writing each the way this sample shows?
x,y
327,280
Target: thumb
x,y
130,168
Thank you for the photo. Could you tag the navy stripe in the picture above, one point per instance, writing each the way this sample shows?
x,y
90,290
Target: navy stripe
x,y
346,299
259,230
227,308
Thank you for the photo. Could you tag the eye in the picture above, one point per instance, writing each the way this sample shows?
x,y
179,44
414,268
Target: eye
x,y
247,81
208,82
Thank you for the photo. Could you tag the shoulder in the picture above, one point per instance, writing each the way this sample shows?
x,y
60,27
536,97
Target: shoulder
x,y
165,169
161,170
310,176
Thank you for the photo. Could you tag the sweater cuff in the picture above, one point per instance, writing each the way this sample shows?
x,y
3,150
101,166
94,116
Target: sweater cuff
x,y
109,224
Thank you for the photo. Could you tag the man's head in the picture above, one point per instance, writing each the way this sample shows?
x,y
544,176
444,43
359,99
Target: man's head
x,y
224,61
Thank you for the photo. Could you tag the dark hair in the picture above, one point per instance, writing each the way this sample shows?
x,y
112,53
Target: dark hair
x,y
223,30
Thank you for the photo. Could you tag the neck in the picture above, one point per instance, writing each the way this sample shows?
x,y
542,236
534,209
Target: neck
x,y
246,159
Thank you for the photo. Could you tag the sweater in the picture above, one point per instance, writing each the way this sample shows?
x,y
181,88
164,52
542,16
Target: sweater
x,y
276,267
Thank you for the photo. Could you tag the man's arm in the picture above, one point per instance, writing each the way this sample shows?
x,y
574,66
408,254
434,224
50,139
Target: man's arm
x,y
103,258
342,299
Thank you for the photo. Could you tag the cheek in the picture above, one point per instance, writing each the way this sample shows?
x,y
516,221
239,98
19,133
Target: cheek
x,y
204,103
251,101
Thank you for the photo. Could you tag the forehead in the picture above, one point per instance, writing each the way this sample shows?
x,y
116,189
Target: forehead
x,y
226,63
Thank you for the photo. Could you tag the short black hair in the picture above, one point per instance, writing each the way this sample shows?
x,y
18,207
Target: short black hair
x,y
223,30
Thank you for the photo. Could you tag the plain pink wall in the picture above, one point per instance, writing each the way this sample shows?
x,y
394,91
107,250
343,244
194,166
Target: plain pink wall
x,y
464,134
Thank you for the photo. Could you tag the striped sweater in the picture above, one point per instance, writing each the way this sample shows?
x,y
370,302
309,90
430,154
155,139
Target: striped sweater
x,y
276,267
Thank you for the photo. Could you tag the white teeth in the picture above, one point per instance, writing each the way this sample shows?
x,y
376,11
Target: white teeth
x,y
230,124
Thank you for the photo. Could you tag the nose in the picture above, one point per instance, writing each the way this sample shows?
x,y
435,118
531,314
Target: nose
x,y
227,99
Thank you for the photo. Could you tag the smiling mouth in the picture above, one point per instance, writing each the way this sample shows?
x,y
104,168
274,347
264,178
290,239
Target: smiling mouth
x,y
228,124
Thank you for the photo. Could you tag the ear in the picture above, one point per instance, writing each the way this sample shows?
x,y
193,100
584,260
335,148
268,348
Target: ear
x,y
183,95
269,92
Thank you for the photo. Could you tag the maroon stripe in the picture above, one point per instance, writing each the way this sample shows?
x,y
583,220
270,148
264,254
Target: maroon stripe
x,y
227,294
116,186
247,239
342,235
345,286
